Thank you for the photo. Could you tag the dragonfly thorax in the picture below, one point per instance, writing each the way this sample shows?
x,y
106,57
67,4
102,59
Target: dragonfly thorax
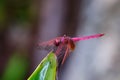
x,y
64,40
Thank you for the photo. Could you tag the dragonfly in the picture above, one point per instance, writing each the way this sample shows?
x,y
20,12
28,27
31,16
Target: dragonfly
x,y
62,46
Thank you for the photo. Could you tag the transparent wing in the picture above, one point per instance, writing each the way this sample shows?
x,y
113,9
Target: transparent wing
x,y
48,45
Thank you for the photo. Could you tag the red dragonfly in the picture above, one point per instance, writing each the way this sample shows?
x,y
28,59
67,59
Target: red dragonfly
x,y
62,46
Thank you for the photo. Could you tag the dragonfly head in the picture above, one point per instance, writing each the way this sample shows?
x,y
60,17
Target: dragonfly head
x,y
61,40
57,42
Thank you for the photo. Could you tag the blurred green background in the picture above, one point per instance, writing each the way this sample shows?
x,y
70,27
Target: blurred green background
x,y
15,33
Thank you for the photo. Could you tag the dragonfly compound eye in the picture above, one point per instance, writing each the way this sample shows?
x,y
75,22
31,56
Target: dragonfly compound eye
x,y
57,42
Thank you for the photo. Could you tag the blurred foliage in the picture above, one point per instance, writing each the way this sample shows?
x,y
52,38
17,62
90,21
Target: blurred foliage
x,y
2,12
14,13
19,9
22,10
16,67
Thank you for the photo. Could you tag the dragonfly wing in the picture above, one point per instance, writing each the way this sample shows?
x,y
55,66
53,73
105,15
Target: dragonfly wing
x,y
48,45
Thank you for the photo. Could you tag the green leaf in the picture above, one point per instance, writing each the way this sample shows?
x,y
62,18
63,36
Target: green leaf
x,y
46,70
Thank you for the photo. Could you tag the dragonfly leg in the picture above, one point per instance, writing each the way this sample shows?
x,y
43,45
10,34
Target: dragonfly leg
x,y
65,55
